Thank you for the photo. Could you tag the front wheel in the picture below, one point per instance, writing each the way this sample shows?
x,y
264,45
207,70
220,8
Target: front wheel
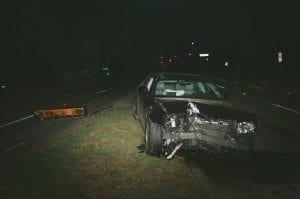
x,y
153,138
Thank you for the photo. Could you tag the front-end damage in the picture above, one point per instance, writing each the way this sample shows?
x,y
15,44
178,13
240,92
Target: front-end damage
x,y
194,130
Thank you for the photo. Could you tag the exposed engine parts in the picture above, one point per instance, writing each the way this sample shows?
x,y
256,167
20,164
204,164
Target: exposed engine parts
x,y
192,109
195,129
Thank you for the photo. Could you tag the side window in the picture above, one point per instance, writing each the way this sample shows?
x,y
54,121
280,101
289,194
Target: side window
x,y
212,88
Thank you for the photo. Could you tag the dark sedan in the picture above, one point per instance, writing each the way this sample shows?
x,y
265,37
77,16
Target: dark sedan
x,y
187,111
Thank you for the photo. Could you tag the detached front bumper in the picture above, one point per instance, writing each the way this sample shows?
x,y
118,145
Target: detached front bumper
x,y
210,140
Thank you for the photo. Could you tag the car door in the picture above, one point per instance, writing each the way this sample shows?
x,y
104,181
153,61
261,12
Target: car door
x,y
143,96
139,99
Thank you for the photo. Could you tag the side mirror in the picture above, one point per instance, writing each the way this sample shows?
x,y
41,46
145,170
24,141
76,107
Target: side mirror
x,y
143,90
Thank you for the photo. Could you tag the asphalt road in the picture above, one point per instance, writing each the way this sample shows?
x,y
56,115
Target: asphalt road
x,y
26,131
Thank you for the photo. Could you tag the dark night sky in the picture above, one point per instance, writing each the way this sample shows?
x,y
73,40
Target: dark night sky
x,y
76,32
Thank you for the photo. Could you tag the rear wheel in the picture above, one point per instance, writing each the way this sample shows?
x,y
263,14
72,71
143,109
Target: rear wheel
x,y
153,138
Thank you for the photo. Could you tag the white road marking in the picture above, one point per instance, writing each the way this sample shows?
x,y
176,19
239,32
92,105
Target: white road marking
x,y
11,148
70,94
103,91
285,108
19,120
256,87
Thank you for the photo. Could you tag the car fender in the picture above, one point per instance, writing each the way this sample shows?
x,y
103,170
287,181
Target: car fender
x,y
156,115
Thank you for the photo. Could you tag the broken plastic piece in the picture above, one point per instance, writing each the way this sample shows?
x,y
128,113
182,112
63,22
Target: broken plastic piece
x,y
192,109
178,146
60,112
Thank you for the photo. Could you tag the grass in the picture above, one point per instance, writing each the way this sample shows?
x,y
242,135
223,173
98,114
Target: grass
x,y
99,159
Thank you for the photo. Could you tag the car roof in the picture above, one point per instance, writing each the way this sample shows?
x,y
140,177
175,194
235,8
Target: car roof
x,y
179,76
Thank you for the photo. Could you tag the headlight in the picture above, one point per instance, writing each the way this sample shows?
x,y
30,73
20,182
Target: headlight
x,y
245,127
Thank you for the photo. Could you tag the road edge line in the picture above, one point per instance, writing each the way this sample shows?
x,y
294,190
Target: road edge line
x,y
11,148
16,121
285,108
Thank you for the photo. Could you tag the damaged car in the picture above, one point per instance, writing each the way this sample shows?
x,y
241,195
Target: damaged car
x,y
186,111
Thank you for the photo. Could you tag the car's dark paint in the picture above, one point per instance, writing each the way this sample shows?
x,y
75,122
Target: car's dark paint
x,y
142,103
157,112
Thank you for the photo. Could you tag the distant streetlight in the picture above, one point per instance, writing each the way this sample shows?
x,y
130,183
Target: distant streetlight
x,y
5,91
192,43
226,63
280,57
190,54
204,55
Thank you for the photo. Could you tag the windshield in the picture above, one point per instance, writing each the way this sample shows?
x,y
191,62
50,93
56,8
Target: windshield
x,y
185,88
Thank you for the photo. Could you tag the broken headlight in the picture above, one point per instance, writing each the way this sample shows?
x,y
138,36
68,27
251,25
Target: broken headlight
x,y
172,121
245,127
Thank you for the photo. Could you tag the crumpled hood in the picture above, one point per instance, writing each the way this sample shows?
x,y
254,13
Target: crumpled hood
x,y
216,109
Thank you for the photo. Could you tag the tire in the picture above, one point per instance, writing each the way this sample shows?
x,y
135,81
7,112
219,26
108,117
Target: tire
x,y
153,138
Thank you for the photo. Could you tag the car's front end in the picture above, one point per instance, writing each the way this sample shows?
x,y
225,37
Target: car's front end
x,y
193,129
185,111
